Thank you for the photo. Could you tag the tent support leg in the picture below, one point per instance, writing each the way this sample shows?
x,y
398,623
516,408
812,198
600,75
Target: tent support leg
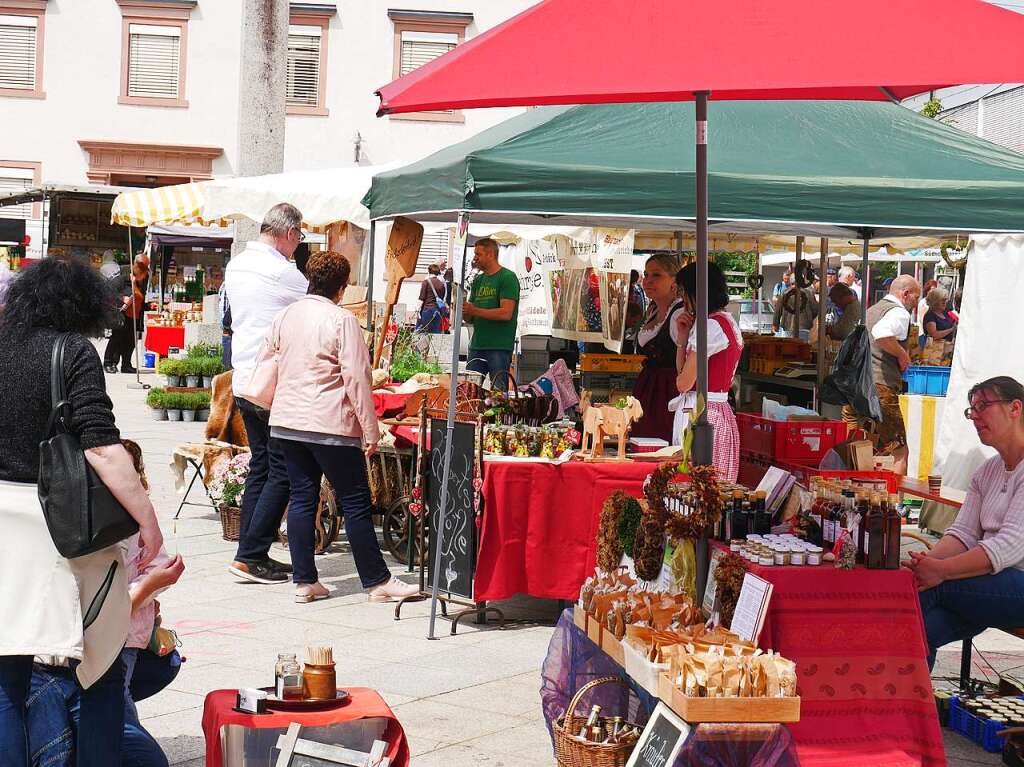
x,y
822,294
703,431
865,285
460,278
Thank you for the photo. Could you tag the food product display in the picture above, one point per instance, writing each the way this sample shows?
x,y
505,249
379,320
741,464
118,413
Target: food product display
x,y
731,671
548,441
616,602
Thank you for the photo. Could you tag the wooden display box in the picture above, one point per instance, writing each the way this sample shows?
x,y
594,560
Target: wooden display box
x,y
613,648
579,617
727,710
594,630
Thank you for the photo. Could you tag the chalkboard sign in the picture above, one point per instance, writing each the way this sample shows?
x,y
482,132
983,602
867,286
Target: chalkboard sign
x,y
458,549
661,740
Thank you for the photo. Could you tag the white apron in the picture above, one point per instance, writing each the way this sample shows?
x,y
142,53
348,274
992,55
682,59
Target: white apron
x,y
683,405
43,595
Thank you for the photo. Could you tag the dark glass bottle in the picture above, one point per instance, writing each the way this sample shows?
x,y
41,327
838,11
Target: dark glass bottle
x,y
863,505
892,525
874,537
762,517
737,517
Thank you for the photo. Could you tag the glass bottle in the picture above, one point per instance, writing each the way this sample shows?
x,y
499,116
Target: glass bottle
x,y
762,519
738,520
874,536
862,519
892,525
595,712
288,677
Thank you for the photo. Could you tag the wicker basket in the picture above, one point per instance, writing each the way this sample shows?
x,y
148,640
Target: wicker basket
x,y
230,522
571,751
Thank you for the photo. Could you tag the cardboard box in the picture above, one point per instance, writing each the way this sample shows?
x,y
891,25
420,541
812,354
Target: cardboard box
x,y
611,363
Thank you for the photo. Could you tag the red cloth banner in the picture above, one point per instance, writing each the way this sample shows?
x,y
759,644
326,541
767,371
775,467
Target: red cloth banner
x,y
160,338
862,673
364,704
540,520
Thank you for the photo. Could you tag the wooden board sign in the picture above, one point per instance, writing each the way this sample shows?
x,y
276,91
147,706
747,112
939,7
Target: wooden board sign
x,y
459,543
403,251
661,740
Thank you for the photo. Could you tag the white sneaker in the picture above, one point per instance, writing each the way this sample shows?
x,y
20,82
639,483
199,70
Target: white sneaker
x,y
310,592
391,590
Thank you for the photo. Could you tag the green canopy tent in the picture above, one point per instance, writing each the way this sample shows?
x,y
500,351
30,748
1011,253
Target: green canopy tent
x,y
832,169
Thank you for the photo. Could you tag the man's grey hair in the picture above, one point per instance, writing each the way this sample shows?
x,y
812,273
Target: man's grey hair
x,y
280,219
905,282
847,271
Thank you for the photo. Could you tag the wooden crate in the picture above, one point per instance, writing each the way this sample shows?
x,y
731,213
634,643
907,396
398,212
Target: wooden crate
x,y
579,617
727,710
594,630
613,648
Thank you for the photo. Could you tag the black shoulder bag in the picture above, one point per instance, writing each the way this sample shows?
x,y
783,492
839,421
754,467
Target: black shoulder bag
x,y
83,516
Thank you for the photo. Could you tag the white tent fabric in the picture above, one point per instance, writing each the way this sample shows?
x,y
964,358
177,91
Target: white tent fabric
x,y
882,255
985,348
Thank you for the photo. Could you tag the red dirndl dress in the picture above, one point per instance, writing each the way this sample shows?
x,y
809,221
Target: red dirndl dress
x,y
656,385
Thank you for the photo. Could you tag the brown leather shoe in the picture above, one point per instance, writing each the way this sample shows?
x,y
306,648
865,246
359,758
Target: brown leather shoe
x,y
257,572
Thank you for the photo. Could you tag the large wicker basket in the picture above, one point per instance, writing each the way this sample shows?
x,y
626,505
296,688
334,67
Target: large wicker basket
x,y
230,522
571,751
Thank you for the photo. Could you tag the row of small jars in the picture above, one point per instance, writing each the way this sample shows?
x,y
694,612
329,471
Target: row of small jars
x,y
773,553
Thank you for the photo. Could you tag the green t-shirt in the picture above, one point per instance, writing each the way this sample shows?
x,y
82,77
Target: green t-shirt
x,y
487,293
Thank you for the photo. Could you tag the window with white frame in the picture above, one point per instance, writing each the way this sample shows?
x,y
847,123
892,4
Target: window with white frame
x,y
419,48
14,180
303,80
18,60
436,246
154,61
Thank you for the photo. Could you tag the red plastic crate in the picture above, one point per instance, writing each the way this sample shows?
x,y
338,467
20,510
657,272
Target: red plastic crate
x,y
752,469
802,442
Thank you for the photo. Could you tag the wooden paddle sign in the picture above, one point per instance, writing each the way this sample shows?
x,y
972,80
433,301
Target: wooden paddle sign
x,y
399,262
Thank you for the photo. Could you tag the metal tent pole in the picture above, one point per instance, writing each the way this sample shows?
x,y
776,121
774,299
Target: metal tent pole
x,y
438,531
369,280
865,286
822,293
703,431
797,269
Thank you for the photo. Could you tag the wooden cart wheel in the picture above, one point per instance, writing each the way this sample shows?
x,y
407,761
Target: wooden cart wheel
x,y
395,530
328,521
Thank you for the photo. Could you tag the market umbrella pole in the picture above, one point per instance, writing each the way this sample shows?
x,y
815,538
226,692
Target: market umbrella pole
x,y
437,532
864,286
822,295
703,431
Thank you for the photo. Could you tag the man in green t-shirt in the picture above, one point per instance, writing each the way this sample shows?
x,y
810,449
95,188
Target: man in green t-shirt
x,y
492,308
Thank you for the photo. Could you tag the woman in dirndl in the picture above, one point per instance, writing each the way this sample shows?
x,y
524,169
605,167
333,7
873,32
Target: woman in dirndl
x,y
657,341
725,345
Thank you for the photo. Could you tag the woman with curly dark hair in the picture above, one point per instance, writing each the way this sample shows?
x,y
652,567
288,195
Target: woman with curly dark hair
x,y
324,417
42,595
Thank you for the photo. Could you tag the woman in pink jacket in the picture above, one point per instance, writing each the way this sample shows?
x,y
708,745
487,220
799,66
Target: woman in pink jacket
x,y
323,414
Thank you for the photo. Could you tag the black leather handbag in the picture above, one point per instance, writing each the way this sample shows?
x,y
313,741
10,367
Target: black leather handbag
x,y
83,516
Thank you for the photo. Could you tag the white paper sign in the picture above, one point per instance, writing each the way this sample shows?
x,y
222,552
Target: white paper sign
x,y
751,608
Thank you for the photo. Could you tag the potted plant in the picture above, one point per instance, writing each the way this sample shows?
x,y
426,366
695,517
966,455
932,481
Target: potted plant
x,y
171,369
210,367
174,403
226,490
156,398
192,371
202,402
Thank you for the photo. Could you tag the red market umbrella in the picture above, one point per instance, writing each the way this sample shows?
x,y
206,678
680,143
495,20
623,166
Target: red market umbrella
x,y
600,51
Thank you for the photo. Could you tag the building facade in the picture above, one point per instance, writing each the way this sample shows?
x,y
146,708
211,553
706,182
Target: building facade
x,y
992,112
145,92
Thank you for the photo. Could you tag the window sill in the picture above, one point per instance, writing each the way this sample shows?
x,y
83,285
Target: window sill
x,y
433,117
152,102
18,93
312,111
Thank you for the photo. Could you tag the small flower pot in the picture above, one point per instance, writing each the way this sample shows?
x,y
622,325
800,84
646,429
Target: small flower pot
x,y
207,382
192,381
188,415
203,415
159,413
173,414
173,380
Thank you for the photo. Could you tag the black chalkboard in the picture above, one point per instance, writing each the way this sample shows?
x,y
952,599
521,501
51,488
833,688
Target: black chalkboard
x,y
661,740
458,550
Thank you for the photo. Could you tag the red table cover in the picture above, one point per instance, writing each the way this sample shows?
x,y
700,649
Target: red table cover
x,y
388,404
364,704
160,338
540,520
858,639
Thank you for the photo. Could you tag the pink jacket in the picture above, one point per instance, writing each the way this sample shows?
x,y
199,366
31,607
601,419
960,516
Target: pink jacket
x,y
323,378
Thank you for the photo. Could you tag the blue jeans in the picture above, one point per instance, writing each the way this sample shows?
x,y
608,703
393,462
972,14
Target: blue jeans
x,y
345,468
963,608
152,674
491,362
55,716
266,488
430,321
15,679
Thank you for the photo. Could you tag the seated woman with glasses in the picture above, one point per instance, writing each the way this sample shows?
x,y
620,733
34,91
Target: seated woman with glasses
x,y
973,578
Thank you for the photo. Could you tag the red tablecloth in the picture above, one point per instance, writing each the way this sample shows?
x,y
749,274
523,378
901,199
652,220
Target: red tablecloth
x,y
858,639
159,338
539,531
388,404
364,704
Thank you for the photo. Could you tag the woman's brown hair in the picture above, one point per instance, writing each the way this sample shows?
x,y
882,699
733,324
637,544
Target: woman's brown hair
x,y
328,272
140,466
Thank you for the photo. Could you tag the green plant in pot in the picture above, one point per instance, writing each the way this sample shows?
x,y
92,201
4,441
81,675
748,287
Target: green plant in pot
x,y
193,371
202,405
175,402
173,370
200,351
156,398
210,367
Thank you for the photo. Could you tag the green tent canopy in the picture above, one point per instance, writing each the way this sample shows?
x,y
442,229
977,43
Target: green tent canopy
x,y
826,168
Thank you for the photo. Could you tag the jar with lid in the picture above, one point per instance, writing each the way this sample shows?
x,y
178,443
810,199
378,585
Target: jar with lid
x,y
288,677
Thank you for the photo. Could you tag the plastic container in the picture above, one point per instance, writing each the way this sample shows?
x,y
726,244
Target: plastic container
x,y
981,731
794,441
926,379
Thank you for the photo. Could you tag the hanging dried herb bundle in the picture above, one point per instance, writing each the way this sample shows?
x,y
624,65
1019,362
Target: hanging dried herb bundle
x,y
629,522
729,574
702,520
609,547
649,547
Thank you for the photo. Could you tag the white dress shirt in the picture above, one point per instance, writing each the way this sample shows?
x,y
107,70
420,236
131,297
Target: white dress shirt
x,y
259,282
895,323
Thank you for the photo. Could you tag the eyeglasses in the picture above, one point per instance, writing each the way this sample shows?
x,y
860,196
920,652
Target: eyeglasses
x,y
979,408
302,235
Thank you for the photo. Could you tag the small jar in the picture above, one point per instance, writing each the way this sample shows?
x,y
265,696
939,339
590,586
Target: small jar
x,y
766,560
734,546
781,557
797,557
813,558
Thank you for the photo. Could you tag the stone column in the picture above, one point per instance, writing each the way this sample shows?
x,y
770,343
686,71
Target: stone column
x,y
261,95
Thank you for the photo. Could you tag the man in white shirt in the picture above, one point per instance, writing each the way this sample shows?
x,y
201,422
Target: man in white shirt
x,y
848,277
259,282
888,323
